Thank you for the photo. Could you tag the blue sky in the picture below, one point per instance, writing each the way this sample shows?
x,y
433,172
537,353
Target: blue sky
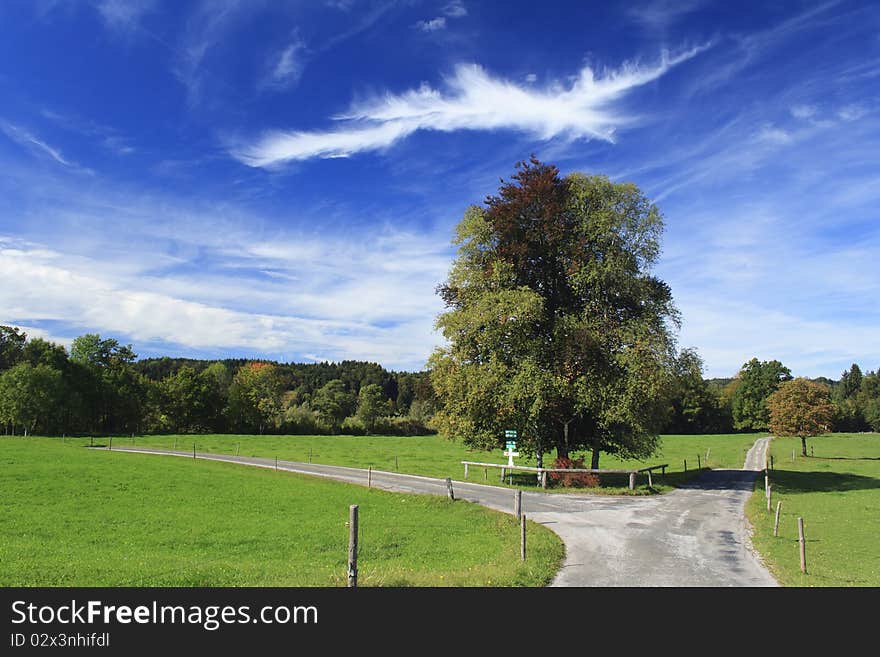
x,y
281,179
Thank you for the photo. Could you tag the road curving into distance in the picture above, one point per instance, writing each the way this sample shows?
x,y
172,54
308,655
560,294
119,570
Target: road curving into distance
x,y
696,535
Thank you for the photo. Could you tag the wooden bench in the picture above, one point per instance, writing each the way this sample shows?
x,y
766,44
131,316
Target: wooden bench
x,y
542,472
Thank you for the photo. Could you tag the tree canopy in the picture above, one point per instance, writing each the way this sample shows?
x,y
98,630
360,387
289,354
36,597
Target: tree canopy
x,y
757,381
800,408
555,325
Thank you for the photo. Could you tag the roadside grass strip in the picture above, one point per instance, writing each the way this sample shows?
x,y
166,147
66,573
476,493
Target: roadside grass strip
x,y
836,490
92,517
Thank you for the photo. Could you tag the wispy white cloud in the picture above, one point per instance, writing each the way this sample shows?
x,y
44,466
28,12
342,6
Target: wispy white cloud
x,y
123,14
473,100
108,137
773,135
852,112
803,111
452,10
432,25
660,14
38,146
205,29
286,67
366,296
455,9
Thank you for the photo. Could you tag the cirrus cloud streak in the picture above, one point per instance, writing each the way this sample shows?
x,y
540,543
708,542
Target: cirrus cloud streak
x,y
473,99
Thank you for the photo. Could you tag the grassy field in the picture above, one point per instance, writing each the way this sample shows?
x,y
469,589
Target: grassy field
x,y
80,517
836,490
435,456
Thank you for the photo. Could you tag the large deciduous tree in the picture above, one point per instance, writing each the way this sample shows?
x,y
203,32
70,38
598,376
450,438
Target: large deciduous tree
x,y
800,408
555,325
114,394
30,397
757,381
12,342
255,397
372,406
334,403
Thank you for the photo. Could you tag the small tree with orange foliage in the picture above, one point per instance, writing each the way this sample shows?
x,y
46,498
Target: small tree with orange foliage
x,y
800,408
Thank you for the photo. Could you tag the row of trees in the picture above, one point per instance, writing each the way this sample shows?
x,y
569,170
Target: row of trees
x,y
741,404
101,387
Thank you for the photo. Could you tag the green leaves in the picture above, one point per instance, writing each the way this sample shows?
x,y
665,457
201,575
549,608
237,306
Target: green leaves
x,y
800,408
758,380
554,324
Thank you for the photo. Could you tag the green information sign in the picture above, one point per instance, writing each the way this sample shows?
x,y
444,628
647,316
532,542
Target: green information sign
x,y
510,433
510,445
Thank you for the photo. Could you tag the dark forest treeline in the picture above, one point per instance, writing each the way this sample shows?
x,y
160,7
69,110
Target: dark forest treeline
x,y
100,387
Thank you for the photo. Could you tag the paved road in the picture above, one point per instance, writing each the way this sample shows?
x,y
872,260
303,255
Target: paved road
x,y
693,536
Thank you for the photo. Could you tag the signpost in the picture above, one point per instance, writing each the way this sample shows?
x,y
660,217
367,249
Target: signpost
x,y
510,446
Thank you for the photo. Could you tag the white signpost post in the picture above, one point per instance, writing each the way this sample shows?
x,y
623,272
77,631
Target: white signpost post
x,y
510,446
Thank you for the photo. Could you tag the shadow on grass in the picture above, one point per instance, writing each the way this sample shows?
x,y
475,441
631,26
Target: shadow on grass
x,y
786,481
845,458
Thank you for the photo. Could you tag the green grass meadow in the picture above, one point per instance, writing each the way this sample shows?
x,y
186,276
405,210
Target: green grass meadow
x,y
86,517
434,456
836,490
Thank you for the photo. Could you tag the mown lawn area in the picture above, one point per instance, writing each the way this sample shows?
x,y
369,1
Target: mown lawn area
x,y
434,456
85,517
836,490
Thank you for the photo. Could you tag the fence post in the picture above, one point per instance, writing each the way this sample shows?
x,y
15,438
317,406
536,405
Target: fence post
x,y
522,537
353,546
685,465
111,443
465,470
310,454
650,480
699,464
766,482
517,504
370,477
632,480
449,492
769,497
544,479
194,450
175,443
276,464
776,522
238,449
803,545
397,467
772,465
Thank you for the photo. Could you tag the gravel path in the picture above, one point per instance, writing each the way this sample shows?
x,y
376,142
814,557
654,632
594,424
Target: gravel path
x,y
694,536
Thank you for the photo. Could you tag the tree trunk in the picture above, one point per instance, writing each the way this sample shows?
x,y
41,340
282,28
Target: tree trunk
x,y
561,446
594,461
562,442
804,445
